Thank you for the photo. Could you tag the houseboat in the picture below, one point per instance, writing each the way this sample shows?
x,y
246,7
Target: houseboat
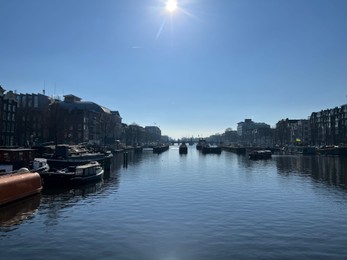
x,y
68,155
12,159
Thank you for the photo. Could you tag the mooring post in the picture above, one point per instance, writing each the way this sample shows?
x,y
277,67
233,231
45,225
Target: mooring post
x,y
125,160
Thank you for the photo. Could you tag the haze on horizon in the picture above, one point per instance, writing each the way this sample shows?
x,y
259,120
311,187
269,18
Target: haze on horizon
x,y
193,69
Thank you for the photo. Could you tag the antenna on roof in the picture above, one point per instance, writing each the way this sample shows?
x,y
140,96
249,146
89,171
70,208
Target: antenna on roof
x,y
44,87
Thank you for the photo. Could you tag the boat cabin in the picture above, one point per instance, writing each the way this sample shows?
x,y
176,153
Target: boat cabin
x,y
89,169
12,159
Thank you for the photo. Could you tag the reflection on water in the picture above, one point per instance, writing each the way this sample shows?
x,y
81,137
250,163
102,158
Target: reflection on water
x,y
17,212
329,169
56,200
170,206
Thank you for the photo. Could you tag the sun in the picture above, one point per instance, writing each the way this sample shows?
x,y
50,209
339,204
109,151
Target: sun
x,y
171,5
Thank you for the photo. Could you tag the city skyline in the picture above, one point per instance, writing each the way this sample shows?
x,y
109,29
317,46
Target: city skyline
x,y
192,71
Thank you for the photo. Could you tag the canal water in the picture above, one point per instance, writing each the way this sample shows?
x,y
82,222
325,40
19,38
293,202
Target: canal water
x,y
193,206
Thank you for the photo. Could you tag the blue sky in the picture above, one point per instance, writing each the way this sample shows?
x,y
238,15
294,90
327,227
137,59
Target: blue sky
x,y
196,71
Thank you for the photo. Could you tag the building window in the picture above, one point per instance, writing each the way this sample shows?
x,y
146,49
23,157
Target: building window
x,y
30,101
36,101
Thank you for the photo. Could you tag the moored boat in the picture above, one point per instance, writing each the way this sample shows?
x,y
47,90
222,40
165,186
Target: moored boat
x,y
183,149
88,173
19,185
211,149
260,154
234,149
73,175
40,165
13,159
333,150
67,155
160,148
201,143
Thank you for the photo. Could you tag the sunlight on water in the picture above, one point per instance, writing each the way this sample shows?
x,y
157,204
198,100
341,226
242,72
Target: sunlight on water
x,y
195,206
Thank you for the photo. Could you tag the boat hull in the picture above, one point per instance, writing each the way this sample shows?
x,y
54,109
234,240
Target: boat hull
x,y
215,150
160,149
55,179
183,150
87,179
19,185
73,175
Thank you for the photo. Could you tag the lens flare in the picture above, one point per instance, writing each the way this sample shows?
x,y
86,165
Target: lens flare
x,y
171,5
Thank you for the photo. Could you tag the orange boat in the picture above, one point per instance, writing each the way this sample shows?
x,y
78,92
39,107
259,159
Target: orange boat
x,y
19,185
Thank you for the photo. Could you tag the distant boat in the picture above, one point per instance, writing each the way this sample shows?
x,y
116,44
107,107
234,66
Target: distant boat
x,y
234,149
333,150
201,143
261,154
183,149
211,149
160,148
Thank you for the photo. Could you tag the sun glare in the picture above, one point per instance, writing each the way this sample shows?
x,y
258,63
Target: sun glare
x,y
171,5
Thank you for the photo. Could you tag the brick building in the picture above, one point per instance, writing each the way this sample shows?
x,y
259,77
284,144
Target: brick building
x,y
329,127
293,132
75,121
8,111
254,134
32,119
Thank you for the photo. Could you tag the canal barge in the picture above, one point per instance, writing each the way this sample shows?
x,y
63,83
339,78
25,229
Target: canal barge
x,y
234,149
260,154
211,149
333,150
183,149
160,148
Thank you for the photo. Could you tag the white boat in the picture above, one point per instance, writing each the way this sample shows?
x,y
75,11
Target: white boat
x,y
73,175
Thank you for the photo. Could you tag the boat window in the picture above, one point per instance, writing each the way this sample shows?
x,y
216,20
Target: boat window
x,y
79,171
7,157
20,156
